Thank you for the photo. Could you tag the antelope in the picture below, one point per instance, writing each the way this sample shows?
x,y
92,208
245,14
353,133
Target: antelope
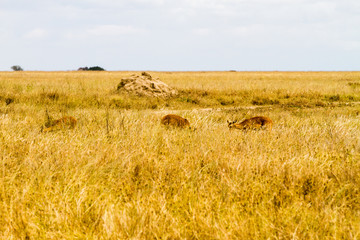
x,y
175,121
62,123
254,123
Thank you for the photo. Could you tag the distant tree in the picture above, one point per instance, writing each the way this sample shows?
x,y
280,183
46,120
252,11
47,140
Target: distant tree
x,y
16,68
95,68
83,69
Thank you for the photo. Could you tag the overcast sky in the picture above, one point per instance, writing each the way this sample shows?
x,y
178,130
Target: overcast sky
x,y
176,35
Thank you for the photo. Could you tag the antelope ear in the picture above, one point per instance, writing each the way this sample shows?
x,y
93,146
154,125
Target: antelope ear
x,y
235,121
228,121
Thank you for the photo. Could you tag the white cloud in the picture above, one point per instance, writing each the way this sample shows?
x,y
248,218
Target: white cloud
x,y
113,30
349,45
153,2
36,33
202,31
249,30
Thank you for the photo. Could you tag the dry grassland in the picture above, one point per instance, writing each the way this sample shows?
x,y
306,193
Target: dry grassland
x,y
121,175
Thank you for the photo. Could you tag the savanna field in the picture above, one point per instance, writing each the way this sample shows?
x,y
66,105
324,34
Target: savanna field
x,y
119,174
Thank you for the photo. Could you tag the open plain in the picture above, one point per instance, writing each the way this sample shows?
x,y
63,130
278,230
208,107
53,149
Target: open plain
x,y
120,174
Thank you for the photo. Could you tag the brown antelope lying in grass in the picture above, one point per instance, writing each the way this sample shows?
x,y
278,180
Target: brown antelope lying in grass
x,y
62,123
175,121
254,123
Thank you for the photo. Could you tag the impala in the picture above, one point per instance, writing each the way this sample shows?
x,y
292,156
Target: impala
x,y
254,123
62,123
175,121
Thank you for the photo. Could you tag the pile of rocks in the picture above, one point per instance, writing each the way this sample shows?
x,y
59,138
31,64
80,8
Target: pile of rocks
x,y
145,85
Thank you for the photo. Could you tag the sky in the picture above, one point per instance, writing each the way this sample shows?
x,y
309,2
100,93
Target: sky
x,y
180,35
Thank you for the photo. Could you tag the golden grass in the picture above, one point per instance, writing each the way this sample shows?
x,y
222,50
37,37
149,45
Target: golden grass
x,y
121,175
72,90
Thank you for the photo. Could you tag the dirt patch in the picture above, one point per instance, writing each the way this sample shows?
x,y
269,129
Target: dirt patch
x,y
146,85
